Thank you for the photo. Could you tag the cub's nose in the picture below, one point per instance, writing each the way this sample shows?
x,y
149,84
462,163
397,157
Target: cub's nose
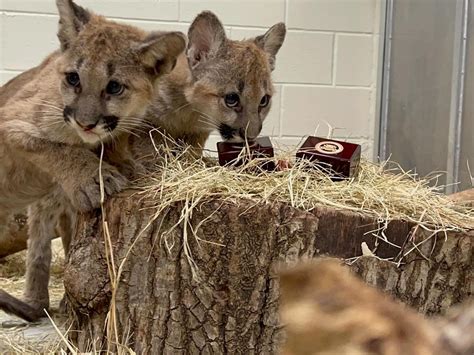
x,y
90,126
248,137
87,127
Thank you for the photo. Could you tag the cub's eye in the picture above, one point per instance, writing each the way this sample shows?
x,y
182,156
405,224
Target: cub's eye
x,y
72,79
265,101
232,100
114,88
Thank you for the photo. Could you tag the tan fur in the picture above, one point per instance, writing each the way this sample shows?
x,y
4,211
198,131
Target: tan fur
x,y
50,129
190,103
327,310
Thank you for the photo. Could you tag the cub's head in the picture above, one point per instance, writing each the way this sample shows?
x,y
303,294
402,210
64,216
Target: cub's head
x,y
109,70
232,82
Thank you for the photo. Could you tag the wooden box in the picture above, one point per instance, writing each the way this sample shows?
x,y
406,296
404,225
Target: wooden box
x,y
341,159
260,148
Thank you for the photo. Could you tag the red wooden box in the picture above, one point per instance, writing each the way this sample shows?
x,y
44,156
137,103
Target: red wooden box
x,y
260,148
342,158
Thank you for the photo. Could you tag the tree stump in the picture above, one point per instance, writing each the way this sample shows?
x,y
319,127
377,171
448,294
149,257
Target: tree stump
x,y
232,307
433,278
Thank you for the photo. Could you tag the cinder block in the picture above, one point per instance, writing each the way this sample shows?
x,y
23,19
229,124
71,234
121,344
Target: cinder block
x,y
304,107
354,62
135,9
262,13
157,26
332,15
40,6
305,57
26,39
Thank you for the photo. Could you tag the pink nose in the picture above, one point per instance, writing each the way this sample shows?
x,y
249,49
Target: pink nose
x,y
88,127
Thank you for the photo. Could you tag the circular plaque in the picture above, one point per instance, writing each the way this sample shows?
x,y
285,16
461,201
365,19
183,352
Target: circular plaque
x,y
328,147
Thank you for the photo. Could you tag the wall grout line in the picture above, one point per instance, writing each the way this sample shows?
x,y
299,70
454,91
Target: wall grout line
x,y
280,109
179,22
334,59
179,10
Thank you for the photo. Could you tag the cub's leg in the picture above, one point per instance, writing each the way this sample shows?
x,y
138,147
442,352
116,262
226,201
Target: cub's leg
x,y
67,217
43,217
65,229
74,168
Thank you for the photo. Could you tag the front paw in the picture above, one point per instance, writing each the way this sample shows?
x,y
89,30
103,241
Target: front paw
x,y
84,192
133,170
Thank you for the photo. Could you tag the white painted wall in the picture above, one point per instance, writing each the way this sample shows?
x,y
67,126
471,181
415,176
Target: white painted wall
x,y
326,70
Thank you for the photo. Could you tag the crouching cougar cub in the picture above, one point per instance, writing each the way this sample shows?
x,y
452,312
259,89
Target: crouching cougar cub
x,y
218,84
96,88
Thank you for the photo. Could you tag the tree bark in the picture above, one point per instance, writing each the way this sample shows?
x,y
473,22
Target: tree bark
x,y
16,238
431,279
233,306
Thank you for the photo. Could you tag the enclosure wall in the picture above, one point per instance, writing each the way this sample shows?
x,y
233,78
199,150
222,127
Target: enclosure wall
x,y
326,71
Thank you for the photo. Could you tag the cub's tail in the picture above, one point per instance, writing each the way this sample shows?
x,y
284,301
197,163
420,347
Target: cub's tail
x,y
14,306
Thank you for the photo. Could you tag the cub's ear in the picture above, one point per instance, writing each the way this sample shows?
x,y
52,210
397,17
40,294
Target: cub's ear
x,y
72,19
160,50
206,35
271,41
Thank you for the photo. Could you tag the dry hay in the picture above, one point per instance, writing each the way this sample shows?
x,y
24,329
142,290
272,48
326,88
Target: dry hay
x,y
382,191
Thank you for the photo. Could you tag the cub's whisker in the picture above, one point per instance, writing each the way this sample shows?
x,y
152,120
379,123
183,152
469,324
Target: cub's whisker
x,y
208,124
47,104
131,127
205,115
124,130
204,119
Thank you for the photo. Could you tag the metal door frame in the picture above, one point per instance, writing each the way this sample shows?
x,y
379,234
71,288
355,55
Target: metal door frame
x,y
457,89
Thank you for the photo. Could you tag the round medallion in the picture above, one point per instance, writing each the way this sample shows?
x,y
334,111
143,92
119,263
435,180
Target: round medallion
x,y
328,147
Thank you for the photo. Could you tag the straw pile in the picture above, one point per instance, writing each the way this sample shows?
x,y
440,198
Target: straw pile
x,y
383,191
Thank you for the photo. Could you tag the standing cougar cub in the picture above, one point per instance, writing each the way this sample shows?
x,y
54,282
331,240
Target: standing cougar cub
x,y
96,88
218,84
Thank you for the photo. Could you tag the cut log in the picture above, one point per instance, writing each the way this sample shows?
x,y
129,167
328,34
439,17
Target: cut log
x,y
232,307
16,237
432,278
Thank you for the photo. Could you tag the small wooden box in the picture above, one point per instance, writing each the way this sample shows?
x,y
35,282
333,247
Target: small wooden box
x,y
260,148
342,158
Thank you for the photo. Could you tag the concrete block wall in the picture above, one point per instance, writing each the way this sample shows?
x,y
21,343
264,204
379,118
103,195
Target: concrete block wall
x,y
326,70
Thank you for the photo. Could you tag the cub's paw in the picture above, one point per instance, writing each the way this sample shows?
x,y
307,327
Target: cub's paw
x,y
131,169
84,192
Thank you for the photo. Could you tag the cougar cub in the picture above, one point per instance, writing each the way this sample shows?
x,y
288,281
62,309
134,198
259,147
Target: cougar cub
x,y
218,84
96,88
